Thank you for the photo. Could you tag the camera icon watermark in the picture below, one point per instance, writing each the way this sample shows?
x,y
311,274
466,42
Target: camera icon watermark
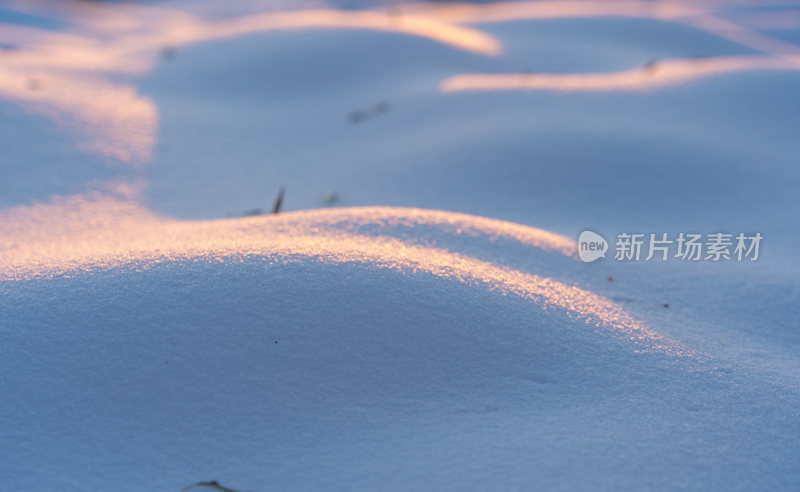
x,y
685,246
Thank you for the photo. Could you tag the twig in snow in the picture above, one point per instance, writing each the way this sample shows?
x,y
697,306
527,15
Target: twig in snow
x,y
252,212
651,65
360,115
212,484
330,198
276,209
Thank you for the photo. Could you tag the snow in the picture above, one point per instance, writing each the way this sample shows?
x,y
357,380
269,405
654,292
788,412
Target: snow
x,y
431,329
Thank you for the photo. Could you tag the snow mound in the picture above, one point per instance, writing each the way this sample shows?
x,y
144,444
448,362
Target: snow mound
x,y
385,348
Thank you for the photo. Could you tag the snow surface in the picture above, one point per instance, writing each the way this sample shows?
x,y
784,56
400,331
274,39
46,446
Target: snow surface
x,y
416,319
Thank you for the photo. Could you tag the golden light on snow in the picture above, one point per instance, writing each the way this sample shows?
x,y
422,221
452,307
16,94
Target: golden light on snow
x,y
656,75
778,19
696,14
82,77
67,77
85,233
461,37
105,118
509,11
